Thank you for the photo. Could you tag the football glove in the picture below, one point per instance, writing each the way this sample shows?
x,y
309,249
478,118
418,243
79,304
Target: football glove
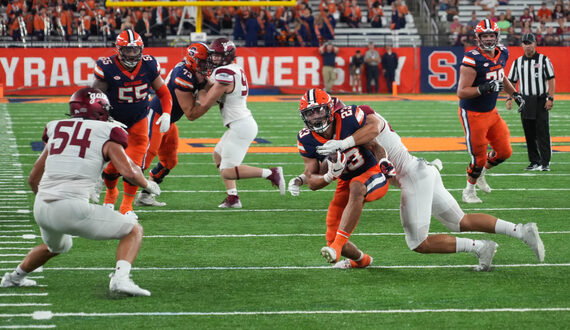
x,y
336,167
493,86
519,100
387,168
332,146
295,185
164,122
152,187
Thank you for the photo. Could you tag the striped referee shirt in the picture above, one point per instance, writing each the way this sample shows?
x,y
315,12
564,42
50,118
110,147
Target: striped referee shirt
x,y
532,74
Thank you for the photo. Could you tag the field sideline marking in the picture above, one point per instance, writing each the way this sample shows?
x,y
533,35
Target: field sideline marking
x,y
49,315
365,210
324,267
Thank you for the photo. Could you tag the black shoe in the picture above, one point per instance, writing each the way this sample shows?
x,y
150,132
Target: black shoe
x,y
545,168
533,167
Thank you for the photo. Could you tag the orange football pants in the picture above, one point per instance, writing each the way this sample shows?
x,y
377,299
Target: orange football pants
x,y
482,129
374,192
137,143
165,145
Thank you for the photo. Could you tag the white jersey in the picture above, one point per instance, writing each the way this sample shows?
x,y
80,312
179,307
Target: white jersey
x,y
233,106
75,157
397,152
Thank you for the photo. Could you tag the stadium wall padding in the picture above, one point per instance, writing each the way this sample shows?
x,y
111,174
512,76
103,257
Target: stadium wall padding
x,y
288,70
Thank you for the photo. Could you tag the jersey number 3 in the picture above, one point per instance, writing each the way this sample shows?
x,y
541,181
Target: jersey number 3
x,y
62,133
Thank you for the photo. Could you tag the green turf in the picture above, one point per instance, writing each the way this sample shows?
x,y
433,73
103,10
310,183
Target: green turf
x,y
260,267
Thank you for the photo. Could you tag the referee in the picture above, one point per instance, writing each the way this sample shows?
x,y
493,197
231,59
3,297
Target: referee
x,y
535,75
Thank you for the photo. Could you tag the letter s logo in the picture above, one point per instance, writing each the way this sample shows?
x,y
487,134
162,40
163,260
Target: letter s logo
x,y
442,72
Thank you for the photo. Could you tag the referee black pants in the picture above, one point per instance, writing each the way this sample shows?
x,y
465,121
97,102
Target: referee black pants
x,y
537,135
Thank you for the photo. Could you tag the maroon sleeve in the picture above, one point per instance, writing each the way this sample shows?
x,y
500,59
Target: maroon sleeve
x,y
45,137
367,109
119,135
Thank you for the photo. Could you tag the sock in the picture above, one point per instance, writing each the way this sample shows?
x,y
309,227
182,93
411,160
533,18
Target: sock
x,y
18,273
339,241
508,228
265,173
123,268
465,244
111,195
129,192
470,186
232,191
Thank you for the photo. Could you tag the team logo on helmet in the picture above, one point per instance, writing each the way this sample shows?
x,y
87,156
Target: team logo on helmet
x,y
89,103
316,109
223,51
197,57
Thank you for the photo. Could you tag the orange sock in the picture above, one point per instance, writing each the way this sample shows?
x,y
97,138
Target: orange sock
x,y
364,261
339,241
111,195
129,192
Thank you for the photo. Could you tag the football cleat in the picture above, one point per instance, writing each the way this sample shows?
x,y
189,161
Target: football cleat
x,y
485,254
132,214
483,185
145,199
232,201
8,281
348,263
532,239
533,167
277,179
470,196
329,254
126,285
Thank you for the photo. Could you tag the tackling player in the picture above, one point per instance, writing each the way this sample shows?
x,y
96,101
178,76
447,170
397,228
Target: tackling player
x,y
481,79
360,178
66,176
424,196
183,83
230,89
126,78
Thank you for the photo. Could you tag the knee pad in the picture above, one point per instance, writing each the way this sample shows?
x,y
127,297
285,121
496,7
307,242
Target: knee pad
x,y
110,176
474,171
158,173
64,246
493,159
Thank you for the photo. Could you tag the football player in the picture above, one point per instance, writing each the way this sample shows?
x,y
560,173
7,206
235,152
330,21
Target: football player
x,y
64,178
126,78
184,81
481,79
360,178
229,88
423,196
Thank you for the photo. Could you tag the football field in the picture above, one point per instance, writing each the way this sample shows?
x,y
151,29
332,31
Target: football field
x,y
260,266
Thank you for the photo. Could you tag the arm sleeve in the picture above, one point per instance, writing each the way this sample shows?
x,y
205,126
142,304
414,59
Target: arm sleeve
x,y
165,99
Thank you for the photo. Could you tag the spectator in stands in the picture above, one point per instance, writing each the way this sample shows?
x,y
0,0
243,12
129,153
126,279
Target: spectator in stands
x,y
270,33
142,27
503,2
544,14
325,26
356,66
540,33
159,17
452,10
39,24
301,33
328,52
455,26
353,15
66,20
503,24
127,23
375,14
558,12
532,13
252,29
509,17
372,59
525,17
487,4
473,21
309,21
443,5
389,66
174,16
562,29
108,27
492,16
83,24
239,26
402,7
513,38
551,38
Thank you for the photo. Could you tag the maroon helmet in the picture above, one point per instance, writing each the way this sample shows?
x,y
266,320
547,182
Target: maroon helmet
x,y
223,52
89,103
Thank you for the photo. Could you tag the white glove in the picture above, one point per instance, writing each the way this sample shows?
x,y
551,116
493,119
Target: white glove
x,y
437,163
164,122
335,168
295,184
152,187
332,146
387,168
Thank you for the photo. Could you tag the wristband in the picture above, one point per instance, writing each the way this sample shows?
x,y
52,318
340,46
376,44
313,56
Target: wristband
x,y
550,98
348,142
328,178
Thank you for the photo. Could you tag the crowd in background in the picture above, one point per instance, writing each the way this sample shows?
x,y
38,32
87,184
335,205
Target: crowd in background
x,y
512,27
258,26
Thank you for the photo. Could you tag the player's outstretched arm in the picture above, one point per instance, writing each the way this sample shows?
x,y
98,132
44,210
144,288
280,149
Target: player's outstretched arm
x,y
186,101
128,169
37,171
363,135
206,100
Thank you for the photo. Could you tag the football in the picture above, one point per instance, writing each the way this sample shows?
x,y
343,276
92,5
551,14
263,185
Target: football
x,y
325,165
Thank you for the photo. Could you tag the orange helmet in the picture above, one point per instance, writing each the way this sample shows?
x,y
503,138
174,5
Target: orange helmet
x,y
197,57
129,47
316,109
487,26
